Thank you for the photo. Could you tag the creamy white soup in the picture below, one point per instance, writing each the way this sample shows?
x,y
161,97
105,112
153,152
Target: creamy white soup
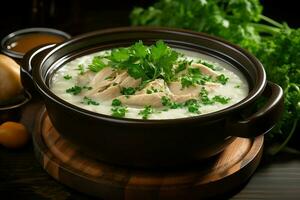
x,y
149,82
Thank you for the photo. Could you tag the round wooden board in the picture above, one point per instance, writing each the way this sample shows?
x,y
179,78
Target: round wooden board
x,y
225,172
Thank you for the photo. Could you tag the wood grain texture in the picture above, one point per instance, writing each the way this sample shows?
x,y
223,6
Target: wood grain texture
x,y
22,177
219,175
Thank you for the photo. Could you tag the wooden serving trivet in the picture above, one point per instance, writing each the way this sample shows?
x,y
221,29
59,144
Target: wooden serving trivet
x,y
62,161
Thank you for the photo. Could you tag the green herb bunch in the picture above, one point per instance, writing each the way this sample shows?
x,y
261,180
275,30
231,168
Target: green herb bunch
x,y
241,21
147,63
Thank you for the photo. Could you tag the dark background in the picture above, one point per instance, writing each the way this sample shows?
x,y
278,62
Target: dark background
x,y
79,16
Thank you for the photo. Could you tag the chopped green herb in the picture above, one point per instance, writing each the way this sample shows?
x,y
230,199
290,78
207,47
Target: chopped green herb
x,y
187,81
114,84
165,101
222,79
81,70
89,101
241,22
145,62
146,112
74,90
128,91
152,90
220,99
206,64
119,55
77,89
87,87
140,50
193,77
97,64
119,111
204,97
67,77
192,105
116,102
237,86
182,66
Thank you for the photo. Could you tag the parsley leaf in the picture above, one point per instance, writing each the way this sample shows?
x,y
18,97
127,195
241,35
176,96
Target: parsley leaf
x,y
222,79
89,101
221,99
192,105
116,102
87,87
209,65
80,68
128,91
204,97
140,50
119,55
165,101
97,64
146,112
119,111
74,90
241,22
193,77
77,89
67,77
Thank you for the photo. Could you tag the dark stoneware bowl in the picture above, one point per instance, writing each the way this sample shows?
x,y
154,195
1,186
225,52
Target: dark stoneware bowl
x,y
155,143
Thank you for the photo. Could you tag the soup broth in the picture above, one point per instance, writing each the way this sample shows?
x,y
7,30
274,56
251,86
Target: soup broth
x,y
149,82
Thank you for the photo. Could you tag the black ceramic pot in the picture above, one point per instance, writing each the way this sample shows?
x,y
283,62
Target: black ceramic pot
x,y
155,143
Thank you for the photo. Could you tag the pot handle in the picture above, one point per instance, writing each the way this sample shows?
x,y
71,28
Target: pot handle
x,y
31,59
264,119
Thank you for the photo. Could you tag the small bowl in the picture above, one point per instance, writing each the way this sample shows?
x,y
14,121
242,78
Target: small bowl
x,y
12,111
40,36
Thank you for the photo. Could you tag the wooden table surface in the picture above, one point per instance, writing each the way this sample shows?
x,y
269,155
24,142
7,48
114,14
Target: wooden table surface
x,y
21,177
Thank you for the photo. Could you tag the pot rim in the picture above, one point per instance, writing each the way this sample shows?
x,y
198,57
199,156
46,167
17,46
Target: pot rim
x,y
256,91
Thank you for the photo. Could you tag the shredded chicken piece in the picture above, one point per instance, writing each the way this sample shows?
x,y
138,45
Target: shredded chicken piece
x,y
108,94
205,70
153,99
107,85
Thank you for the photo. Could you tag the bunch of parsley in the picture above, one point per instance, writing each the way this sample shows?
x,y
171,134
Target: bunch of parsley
x,y
147,63
241,21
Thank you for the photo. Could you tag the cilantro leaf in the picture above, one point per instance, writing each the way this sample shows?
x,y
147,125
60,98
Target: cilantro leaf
x,y
128,91
67,77
116,102
74,90
165,101
146,112
119,55
139,49
135,71
119,111
221,99
222,79
192,105
97,64
89,101
80,68
204,97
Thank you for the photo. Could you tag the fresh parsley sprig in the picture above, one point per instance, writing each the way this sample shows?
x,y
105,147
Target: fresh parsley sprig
x,y
146,111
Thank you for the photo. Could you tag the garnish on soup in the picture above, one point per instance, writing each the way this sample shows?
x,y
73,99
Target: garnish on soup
x,y
149,82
